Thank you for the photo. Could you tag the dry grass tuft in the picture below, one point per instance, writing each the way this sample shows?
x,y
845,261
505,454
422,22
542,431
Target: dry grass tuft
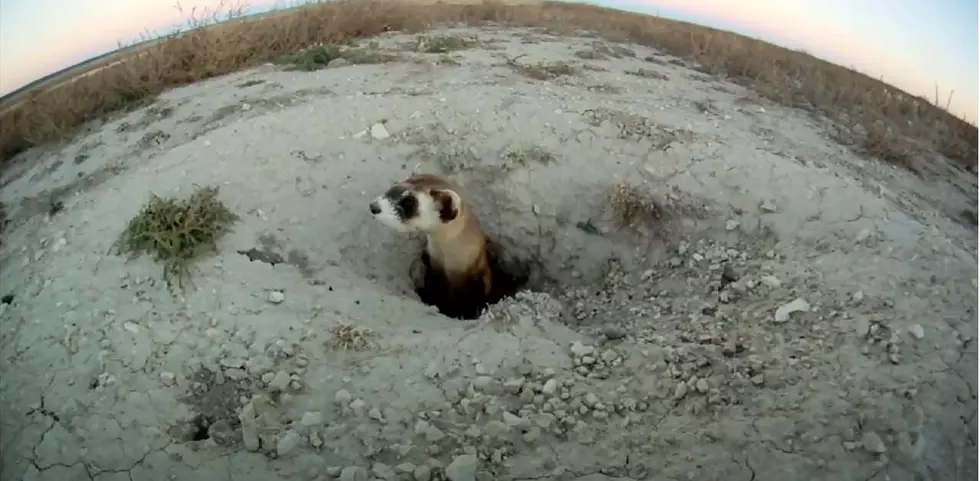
x,y
527,155
350,337
442,44
176,232
133,77
648,73
633,206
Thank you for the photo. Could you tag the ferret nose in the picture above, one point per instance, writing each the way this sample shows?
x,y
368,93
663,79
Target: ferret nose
x,y
375,208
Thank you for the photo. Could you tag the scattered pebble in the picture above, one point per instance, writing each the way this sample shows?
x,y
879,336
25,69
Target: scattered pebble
x,y
462,468
379,132
276,297
168,378
916,331
280,381
873,443
311,418
287,443
342,397
784,312
770,281
353,473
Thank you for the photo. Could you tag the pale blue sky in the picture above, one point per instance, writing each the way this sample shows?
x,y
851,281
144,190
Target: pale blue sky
x,y
913,44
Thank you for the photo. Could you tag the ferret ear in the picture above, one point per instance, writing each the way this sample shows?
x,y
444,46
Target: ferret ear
x,y
448,202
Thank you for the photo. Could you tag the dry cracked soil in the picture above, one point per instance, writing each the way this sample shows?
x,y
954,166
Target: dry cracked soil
x,y
719,290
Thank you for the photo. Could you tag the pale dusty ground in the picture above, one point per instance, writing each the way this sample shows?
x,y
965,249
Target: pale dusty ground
x,y
657,357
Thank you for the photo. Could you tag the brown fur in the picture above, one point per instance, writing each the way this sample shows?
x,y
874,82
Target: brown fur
x,y
458,277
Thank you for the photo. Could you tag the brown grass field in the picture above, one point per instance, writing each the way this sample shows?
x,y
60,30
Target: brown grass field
x,y
875,118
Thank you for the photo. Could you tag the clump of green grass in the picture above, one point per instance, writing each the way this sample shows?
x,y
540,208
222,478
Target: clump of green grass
x,y
313,58
176,232
541,70
319,57
442,43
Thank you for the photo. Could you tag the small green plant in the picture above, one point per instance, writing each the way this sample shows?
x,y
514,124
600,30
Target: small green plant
x,y
176,232
541,70
442,43
313,58
319,57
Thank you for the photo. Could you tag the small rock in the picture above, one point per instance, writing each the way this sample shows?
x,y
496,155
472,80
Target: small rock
x,y
280,381
550,386
797,305
375,414
701,386
732,224
276,297
338,62
590,399
131,327
771,282
680,390
494,429
862,236
513,419
758,379
167,377
379,132
482,383
873,443
916,331
342,397
462,468
767,206
287,443
422,473
613,332
358,406
311,418
857,297
383,471
514,386
353,473
580,350
728,274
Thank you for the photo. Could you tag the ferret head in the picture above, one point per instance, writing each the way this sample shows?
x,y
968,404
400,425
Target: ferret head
x,y
422,202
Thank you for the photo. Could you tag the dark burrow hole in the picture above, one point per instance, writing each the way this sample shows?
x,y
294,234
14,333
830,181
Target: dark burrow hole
x,y
198,429
510,275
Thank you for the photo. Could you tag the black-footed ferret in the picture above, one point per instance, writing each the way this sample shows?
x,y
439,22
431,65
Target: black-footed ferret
x,y
458,277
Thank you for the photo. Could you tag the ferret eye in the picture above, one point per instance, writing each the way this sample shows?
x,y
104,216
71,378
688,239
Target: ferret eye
x,y
407,204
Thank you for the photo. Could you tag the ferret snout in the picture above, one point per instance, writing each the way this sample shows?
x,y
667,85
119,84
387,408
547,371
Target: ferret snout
x,y
375,208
